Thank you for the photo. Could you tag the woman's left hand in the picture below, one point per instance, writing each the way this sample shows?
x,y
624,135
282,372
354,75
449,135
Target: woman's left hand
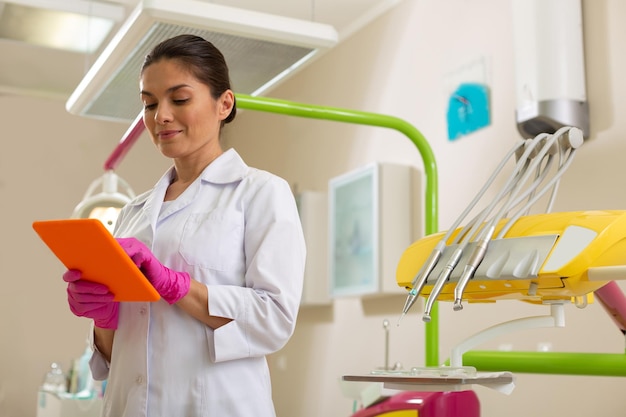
x,y
172,285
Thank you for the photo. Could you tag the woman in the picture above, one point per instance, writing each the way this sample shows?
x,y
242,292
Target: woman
x,y
220,241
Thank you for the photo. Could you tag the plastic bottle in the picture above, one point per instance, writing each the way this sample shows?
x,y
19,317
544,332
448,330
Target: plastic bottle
x,y
55,381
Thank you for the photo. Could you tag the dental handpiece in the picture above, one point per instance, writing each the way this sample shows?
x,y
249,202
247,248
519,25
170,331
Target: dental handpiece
x,y
444,275
420,279
472,264
410,300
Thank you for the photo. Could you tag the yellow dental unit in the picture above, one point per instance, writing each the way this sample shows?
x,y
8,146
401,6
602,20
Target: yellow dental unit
x,y
506,253
543,257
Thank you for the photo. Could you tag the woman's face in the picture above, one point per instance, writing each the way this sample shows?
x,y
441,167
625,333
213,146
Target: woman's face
x,y
180,114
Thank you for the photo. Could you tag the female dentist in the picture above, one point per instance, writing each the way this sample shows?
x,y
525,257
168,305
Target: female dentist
x,y
220,241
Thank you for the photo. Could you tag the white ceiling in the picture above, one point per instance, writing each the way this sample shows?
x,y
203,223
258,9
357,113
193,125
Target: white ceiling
x,y
37,71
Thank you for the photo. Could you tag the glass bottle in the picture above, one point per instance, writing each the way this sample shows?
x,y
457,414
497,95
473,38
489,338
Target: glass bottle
x,y
55,380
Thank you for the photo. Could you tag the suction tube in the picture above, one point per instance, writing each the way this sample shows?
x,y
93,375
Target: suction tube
x,y
613,300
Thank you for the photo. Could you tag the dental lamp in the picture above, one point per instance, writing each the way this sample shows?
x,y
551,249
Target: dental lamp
x,y
115,193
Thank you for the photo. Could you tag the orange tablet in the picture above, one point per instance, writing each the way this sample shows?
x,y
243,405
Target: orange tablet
x,y
87,245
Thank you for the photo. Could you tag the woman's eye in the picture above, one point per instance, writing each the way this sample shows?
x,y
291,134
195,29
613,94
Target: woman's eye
x,y
180,101
148,106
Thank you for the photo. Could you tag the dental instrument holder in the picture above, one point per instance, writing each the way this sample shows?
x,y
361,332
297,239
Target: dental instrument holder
x,y
499,261
543,145
507,259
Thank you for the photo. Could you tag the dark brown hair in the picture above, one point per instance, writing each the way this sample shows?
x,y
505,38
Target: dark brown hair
x,y
201,57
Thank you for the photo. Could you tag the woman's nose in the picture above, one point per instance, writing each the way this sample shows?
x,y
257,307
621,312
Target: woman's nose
x,y
163,114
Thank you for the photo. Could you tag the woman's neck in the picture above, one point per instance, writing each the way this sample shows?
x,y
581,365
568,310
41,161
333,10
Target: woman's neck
x,y
187,170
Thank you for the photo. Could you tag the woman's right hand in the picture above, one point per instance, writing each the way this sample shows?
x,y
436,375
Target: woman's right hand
x,y
92,300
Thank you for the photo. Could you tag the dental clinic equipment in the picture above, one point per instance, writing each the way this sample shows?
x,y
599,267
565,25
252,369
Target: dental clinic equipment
x,y
502,245
420,278
612,298
115,192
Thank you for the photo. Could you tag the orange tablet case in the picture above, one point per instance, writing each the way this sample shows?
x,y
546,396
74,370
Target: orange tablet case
x,y
87,245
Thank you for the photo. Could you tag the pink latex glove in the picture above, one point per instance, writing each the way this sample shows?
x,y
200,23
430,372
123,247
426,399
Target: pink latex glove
x,y
172,285
92,300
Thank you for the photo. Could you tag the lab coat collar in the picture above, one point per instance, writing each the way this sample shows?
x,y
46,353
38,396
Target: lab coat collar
x,y
226,168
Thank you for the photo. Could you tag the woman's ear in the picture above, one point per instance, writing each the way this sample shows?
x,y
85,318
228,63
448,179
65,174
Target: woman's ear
x,y
226,103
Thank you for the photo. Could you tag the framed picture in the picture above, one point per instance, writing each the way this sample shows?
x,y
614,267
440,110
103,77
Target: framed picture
x,y
353,232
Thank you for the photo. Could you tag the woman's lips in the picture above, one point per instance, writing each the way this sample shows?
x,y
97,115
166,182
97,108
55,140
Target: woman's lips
x,y
167,134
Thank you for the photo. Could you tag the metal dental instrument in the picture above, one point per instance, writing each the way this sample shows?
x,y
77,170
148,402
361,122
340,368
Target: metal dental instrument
x,y
444,275
420,279
470,268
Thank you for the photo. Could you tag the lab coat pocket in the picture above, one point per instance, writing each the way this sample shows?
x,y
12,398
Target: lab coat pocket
x,y
213,240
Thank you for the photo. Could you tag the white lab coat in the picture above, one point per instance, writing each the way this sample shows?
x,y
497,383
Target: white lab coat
x,y
235,229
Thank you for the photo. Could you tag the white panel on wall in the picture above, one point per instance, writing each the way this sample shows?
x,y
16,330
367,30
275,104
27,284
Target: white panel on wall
x,y
312,206
374,216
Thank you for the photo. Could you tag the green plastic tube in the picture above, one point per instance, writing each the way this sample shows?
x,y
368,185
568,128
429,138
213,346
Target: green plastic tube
x,y
560,363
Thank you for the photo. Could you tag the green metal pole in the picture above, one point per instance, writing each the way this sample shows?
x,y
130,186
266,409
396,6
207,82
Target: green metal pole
x,y
431,220
432,337
596,364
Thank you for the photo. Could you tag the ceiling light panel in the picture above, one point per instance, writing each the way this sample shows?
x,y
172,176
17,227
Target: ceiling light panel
x,y
260,49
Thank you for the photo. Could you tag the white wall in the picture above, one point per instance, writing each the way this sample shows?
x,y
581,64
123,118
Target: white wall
x,y
400,65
